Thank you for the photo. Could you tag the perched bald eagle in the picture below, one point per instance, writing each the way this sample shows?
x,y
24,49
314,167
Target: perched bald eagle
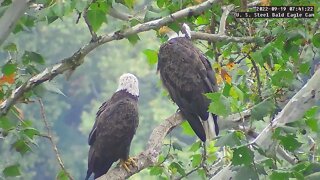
x,y
114,128
187,75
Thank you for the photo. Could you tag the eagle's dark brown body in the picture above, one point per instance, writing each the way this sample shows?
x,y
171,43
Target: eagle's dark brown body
x,y
188,75
112,133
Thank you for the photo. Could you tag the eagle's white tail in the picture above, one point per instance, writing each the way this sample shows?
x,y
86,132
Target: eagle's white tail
x,y
208,126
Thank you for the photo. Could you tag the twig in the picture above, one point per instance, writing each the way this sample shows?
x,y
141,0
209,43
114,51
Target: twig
x,y
257,71
72,62
85,17
223,20
188,173
49,136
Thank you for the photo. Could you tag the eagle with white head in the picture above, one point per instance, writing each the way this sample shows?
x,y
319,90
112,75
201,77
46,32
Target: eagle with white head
x,y
187,75
116,123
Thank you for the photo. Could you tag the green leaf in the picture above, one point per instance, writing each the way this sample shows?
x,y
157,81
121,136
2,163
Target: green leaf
x,y
161,3
246,172
62,175
195,146
96,18
186,129
289,142
176,146
313,124
176,167
10,47
6,124
262,109
9,69
219,105
242,155
133,39
282,78
316,40
29,57
257,57
304,68
129,3
202,174
312,112
155,171
283,175
236,93
152,56
230,139
196,160
21,146
31,132
12,171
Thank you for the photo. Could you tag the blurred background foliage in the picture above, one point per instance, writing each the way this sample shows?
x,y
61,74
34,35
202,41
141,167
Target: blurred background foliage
x,y
286,53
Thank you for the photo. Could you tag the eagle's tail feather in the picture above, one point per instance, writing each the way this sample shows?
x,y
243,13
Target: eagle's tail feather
x,y
211,127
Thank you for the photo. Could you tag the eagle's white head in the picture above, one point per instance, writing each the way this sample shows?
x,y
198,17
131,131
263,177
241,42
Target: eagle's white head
x,y
129,83
184,32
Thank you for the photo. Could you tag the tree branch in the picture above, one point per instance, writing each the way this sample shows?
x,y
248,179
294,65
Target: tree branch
x,y
223,20
220,37
72,62
11,16
86,20
49,136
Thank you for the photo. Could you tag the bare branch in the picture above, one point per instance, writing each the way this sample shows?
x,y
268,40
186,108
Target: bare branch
x,y
257,71
11,16
223,20
85,17
49,136
220,37
72,62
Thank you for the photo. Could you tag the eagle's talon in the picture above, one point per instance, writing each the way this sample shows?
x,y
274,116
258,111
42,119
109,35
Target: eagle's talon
x,y
127,163
133,162
124,164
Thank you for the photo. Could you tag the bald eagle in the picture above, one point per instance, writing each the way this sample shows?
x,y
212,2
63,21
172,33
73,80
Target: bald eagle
x,y
187,75
116,123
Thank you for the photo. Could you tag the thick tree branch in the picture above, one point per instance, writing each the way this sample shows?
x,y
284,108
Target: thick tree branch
x,y
72,62
11,16
303,100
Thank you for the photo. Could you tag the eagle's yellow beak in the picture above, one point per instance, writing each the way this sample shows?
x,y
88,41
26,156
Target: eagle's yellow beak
x,y
164,30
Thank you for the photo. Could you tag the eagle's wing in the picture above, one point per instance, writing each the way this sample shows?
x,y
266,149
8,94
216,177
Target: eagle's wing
x,y
92,135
